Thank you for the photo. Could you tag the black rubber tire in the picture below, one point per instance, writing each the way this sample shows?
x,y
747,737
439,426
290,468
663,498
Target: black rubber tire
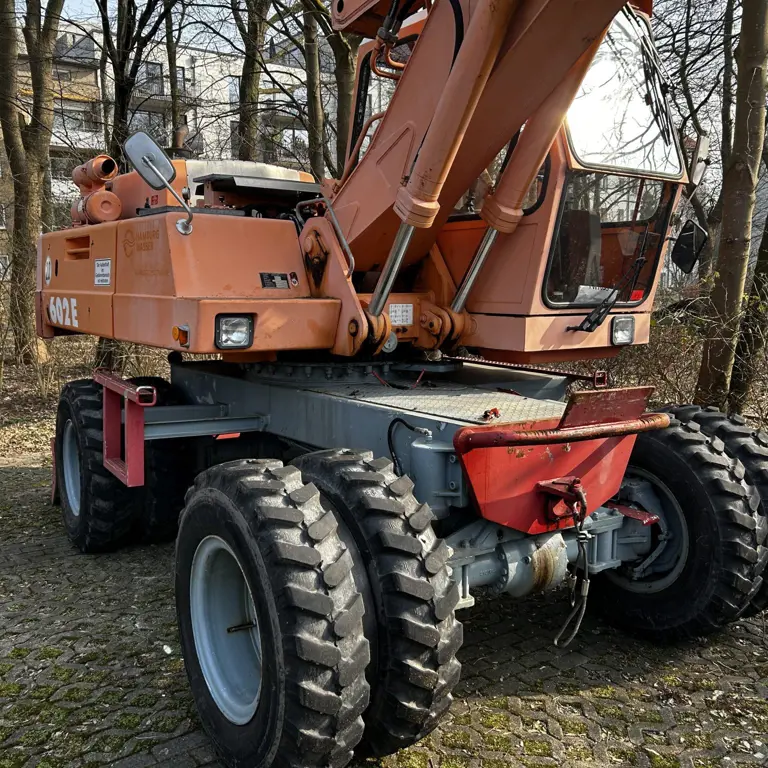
x,y
750,447
718,579
106,505
168,472
298,570
415,635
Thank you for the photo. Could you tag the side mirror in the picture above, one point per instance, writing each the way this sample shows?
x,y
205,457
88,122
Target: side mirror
x,y
149,160
699,161
156,168
689,245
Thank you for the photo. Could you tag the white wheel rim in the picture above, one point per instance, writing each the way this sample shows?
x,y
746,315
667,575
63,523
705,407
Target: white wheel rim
x,y
670,511
70,459
226,630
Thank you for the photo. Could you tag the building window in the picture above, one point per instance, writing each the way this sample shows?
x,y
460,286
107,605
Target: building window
x,y
62,75
72,46
272,48
152,123
150,79
181,82
5,268
80,117
234,89
2,217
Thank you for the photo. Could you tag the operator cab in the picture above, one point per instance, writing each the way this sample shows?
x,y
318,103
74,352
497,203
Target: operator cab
x,y
597,216
613,219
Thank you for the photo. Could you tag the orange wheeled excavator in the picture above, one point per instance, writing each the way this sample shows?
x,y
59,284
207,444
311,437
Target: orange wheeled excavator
x,y
359,436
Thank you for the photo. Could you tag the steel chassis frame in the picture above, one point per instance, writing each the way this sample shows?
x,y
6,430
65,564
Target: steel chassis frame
x,y
356,405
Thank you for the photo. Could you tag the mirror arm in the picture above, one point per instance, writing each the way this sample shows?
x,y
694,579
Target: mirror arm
x,y
184,226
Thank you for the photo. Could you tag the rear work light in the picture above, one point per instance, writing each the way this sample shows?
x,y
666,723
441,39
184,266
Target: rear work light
x,y
234,331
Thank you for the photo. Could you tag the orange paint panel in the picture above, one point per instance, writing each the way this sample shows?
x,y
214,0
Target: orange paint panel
x,y
503,480
225,256
78,271
278,324
81,311
510,282
546,333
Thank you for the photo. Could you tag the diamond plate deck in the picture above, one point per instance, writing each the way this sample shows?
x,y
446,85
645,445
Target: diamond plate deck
x,y
457,403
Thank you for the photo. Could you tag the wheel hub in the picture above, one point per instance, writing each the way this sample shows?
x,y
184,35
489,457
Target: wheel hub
x,y
670,542
226,630
70,459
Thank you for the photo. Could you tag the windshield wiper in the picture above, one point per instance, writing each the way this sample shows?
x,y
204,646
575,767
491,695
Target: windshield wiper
x,y
597,316
656,78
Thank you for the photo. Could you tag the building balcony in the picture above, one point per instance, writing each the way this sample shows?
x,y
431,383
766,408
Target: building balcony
x,y
77,49
156,94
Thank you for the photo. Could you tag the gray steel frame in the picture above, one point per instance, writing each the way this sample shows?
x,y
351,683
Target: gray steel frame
x,y
346,406
354,405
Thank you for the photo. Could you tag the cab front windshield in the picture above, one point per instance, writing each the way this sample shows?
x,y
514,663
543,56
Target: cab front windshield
x,y
620,117
610,236
612,225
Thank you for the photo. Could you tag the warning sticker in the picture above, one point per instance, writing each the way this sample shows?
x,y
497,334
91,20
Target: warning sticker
x,y
401,314
274,280
102,272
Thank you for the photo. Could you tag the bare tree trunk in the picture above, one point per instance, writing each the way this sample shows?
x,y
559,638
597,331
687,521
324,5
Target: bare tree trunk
x,y
105,111
726,109
314,96
173,72
739,184
344,49
27,225
754,326
248,116
252,28
120,119
26,142
715,218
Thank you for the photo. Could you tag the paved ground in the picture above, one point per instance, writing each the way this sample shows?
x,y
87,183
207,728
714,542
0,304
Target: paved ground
x,y
90,672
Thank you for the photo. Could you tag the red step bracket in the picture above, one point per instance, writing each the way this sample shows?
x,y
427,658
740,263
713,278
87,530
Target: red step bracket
x,y
130,470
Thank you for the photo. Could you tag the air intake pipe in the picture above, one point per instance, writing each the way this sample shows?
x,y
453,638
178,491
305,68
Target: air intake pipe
x,y
96,204
94,174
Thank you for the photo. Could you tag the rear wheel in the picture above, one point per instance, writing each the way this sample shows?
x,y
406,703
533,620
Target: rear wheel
x,y
700,571
410,603
96,507
750,447
274,650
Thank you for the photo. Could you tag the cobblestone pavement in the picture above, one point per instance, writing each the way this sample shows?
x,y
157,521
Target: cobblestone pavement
x,y
90,672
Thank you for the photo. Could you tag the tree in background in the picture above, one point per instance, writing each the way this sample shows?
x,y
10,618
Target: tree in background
x,y
172,37
251,24
315,115
26,127
344,47
696,42
738,196
126,38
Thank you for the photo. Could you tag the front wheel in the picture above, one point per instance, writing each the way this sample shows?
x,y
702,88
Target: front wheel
x,y
700,571
410,600
275,657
